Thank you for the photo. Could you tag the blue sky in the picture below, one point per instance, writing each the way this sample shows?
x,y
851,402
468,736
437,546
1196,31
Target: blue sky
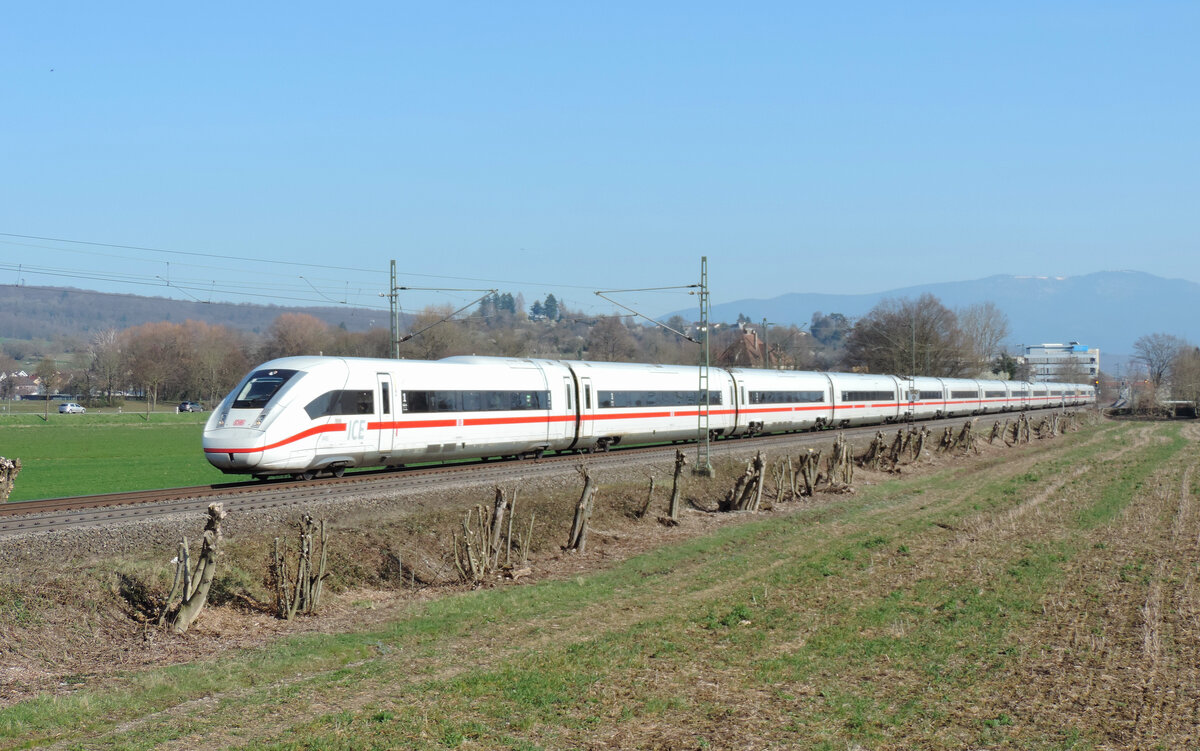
x,y
566,147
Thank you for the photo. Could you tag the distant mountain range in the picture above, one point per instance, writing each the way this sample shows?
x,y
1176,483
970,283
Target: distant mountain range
x,y
1108,309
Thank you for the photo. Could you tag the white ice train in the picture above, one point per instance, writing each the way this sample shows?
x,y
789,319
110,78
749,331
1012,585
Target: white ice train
x,y
303,415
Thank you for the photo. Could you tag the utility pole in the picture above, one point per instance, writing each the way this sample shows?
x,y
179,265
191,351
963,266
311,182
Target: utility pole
x,y
703,454
393,296
766,345
394,340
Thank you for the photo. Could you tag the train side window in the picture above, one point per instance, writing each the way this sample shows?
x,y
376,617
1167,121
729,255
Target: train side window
x,y
494,401
415,401
341,403
364,402
587,396
319,407
472,401
386,399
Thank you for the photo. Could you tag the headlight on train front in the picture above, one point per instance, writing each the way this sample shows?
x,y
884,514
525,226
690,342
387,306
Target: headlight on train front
x,y
221,422
261,416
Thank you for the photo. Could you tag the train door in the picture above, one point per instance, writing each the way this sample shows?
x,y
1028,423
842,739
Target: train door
x,y
910,396
567,432
831,418
387,423
587,412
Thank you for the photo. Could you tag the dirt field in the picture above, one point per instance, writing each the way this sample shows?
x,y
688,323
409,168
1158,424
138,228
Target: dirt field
x,y
1036,596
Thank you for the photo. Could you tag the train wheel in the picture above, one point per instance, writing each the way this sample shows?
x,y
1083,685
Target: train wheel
x,y
339,471
307,474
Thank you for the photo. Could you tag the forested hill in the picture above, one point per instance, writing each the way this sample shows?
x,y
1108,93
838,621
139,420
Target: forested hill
x,y
49,312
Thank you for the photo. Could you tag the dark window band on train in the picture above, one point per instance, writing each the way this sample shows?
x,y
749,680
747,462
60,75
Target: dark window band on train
x,y
416,402
341,403
260,387
1020,393
928,395
995,394
964,394
867,396
786,397
622,399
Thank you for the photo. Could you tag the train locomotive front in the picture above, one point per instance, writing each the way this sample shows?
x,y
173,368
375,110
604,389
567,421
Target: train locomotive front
x,y
262,427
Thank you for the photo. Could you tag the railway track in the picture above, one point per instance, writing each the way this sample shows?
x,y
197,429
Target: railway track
x,y
58,514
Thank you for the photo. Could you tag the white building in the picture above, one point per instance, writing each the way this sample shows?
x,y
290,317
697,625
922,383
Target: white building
x,y
1059,362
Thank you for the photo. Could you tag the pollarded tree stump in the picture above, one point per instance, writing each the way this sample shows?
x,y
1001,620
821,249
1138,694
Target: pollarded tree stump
x,y
577,540
196,582
9,469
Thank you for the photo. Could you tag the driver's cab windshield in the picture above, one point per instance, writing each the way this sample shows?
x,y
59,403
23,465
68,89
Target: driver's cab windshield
x,y
260,387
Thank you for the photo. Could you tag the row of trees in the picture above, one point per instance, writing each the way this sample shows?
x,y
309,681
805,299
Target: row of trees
x,y
195,360
924,337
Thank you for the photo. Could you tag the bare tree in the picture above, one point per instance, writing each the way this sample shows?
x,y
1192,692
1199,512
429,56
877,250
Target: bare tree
x,y
47,373
152,355
211,360
437,335
1157,352
983,327
109,370
917,337
297,334
370,343
1185,375
610,341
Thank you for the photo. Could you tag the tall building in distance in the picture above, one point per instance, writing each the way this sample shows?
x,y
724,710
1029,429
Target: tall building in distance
x,y
1071,362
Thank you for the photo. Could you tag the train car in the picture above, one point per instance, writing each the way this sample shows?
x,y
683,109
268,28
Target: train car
x,y
995,396
627,403
1018,395
922,398
466,407
966,396
1078,394
778,401
864,399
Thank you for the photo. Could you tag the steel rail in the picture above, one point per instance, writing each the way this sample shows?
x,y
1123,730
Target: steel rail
x,y
62,513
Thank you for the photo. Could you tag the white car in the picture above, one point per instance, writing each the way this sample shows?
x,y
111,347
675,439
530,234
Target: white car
x,y
71,408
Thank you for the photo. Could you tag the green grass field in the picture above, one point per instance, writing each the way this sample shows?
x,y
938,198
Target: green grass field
x,y
70,455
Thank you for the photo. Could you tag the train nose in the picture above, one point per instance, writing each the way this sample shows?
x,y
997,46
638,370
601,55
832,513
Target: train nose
x,y
233,450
